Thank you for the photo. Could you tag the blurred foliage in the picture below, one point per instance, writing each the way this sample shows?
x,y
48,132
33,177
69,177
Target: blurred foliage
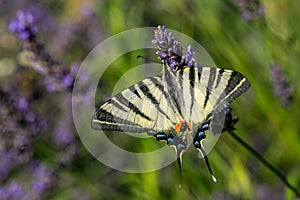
x,y
248,45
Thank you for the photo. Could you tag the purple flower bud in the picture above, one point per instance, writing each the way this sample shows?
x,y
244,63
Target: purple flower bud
x,y
24,26
22,104
172,62
189,56
51,86
67,80
166,41
161,54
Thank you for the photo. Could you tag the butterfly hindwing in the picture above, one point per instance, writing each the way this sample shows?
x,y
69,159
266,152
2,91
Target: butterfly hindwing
x,y
217,87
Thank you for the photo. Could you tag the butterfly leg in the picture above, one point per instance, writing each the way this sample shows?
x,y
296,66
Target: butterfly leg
x,y
229,120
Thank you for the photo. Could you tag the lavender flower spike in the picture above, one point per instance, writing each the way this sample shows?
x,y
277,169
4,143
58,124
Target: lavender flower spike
x,y
170,50
188,58
282,88
24,26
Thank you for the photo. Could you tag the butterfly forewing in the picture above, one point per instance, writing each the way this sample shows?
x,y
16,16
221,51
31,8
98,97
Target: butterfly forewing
x,y
143,107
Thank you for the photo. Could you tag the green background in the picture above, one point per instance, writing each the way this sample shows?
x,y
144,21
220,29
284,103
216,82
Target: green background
x,y
247,46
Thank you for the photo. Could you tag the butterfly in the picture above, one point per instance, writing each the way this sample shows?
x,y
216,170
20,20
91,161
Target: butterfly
x,y
176,106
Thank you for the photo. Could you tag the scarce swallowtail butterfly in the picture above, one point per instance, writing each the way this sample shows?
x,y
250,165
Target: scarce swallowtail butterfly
x,y
176,105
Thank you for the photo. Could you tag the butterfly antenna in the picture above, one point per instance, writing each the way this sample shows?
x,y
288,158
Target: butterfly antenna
x,y
140,56
207,163
147,59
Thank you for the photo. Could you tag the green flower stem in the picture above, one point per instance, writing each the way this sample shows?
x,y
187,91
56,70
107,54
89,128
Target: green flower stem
x,y
276,171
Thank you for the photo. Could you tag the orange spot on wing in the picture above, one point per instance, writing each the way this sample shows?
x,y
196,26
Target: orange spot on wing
x,y
189,124
178,125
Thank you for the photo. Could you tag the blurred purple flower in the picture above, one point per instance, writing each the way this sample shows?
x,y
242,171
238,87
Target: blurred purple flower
x,y
74,68
63,134
44,18
67,80
30,117
56,77
86,9
51,85
12,191
250,9
8,161
22,103
63,137
40,124
43,179
21,142
66,156
24,26
15,150
282,88
67,36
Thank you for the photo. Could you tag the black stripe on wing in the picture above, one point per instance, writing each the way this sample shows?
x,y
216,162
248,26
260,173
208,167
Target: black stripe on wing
x,y
117,105
219,77
134,91
199,69
172,87
192,83
104,120
154,101
236,85
209,86
131,106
